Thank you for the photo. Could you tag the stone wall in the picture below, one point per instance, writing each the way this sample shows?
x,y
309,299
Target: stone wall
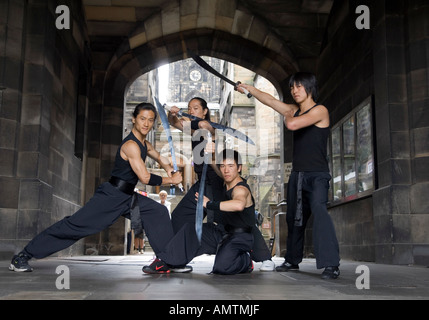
x,y
43,99
388,62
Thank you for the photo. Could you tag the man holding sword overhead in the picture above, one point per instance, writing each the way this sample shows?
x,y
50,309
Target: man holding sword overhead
x,y
309,181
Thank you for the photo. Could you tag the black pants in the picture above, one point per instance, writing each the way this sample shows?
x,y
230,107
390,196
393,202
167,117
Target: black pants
x,y
232,249
185,210
101,211
184,215
315,186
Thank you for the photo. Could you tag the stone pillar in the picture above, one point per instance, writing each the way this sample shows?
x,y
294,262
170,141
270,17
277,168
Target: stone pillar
x,y
40,172
400,86
12,15
417,72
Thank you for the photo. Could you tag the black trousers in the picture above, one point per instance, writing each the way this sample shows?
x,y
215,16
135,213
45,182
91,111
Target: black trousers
x,y
184,215
232,249
315,186
100,212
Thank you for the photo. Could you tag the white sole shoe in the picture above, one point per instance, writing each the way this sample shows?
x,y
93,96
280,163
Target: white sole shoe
x,y
267,266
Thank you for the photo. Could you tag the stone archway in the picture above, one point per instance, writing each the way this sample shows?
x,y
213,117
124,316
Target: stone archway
x,y
134,62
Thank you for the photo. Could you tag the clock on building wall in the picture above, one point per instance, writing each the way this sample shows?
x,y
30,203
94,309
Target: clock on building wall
x,y
195,75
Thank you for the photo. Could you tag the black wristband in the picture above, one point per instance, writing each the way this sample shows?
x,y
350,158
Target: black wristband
x,y
155,180
213,205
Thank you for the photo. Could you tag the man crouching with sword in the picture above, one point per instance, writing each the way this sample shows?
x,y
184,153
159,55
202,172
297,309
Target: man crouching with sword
x,y
185,212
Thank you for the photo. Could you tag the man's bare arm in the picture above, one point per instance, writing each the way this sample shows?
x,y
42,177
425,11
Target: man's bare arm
x,y
269,100
130,151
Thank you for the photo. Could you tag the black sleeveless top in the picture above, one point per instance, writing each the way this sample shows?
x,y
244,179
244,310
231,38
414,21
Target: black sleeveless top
x,y
310,145
239,219
122,169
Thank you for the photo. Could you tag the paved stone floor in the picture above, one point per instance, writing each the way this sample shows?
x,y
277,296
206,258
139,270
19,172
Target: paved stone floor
x,y
121,278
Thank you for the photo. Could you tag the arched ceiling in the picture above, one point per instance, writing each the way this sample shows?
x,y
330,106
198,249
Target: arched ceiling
x,y
271,37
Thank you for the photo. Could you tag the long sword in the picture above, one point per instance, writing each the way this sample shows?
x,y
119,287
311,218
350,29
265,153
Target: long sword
x,y
200,209
213,71
231,131
166,125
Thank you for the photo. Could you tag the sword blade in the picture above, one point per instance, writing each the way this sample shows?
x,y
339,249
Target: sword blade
x,y
228,130
166,125
200,208
199,214
213,71
210,69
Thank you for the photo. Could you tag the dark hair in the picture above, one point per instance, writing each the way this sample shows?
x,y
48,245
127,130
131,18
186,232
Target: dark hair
x,y
308,80
203,104
230,154
144,106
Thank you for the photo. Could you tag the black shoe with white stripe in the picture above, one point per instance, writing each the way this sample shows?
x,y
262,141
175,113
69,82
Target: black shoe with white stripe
x,y
286,266
19,263
331,273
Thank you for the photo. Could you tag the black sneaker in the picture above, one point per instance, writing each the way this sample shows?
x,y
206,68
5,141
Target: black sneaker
x,y
331,273
286,266
19,263
156,267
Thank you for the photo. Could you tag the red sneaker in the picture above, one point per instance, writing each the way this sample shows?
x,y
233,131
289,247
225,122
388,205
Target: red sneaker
x,y
156,267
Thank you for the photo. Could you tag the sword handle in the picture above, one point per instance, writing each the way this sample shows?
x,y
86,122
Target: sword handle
x,y
168,108
248,94
180,186
209,139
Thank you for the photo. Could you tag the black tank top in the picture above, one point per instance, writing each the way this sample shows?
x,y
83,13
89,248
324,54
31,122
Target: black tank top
x,y
310,148
122,169
243,219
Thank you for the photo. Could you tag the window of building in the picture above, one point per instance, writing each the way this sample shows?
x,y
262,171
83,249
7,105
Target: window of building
x,y
351,155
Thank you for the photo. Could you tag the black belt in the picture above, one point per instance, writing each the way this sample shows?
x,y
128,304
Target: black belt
x,y
298,213
232,229
122,185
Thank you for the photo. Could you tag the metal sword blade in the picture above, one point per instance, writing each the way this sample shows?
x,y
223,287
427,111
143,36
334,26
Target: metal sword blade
x,y
199,214
213,71
228,130
210,69
166,125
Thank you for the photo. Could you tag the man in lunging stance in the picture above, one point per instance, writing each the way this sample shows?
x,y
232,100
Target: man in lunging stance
x,y
117,197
